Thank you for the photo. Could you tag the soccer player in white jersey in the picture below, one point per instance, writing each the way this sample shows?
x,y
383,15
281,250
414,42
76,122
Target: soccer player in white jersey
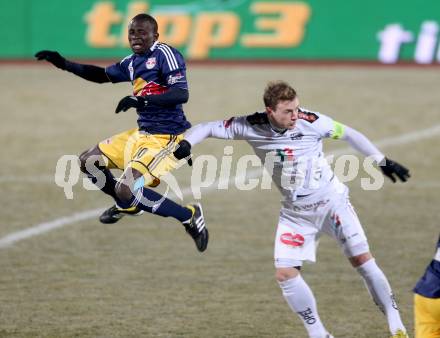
x,y
314,200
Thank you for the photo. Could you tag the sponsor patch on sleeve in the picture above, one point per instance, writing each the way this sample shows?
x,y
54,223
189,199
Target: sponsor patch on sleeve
x,y
172,79
308,116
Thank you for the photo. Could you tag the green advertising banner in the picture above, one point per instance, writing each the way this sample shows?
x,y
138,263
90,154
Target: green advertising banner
x,y
388,31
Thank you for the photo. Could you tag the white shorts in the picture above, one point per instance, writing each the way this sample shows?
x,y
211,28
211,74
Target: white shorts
x,y
302,222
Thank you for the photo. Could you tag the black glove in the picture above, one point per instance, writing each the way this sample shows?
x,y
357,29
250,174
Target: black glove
x,y
131,102
183,151
390,168
53,57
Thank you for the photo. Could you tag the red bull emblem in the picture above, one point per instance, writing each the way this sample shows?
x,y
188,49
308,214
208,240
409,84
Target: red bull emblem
x,y
292,239
151,62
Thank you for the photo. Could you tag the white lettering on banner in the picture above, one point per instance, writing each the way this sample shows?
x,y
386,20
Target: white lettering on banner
x,y
394,36
427,42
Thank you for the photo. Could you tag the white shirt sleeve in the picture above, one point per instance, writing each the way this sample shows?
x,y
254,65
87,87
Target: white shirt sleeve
x,y
362,144
329,128
232,129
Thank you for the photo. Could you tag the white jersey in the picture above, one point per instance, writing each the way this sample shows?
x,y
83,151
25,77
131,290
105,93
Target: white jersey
x,y
294,157
314,201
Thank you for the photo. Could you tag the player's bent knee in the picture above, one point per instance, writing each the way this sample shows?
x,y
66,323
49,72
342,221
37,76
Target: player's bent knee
x,y
283,274
124,194
83,160
84,157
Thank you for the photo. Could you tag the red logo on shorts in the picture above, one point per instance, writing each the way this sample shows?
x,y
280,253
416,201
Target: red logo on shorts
x,y
292,239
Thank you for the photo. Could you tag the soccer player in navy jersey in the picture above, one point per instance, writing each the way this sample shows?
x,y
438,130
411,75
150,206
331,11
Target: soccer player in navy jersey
x,y
427,300
158,75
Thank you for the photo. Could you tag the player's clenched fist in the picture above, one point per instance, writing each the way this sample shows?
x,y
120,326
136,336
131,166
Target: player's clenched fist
x,y
131,102
53,57
391,168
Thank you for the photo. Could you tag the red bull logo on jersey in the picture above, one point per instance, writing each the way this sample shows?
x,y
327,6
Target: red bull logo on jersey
x,y
292,239
151,62
144,88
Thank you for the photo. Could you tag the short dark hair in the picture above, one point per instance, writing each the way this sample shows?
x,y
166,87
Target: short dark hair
x,y
277,91
148,18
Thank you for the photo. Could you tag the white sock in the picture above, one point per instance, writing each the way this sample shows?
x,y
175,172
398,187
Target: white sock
x,y
301,300
379,288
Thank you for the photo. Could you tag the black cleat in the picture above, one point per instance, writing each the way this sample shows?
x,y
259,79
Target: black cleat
x,y
114,214
196,227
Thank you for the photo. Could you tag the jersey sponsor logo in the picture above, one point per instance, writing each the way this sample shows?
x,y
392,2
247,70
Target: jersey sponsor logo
x,y
153,88
296,136
309,117
312,206
289,238
172,79
227,123
144,88
151,62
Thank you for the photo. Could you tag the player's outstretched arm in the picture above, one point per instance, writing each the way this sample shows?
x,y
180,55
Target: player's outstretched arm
x,y
215,129
53,57
198,133
87,72
361,143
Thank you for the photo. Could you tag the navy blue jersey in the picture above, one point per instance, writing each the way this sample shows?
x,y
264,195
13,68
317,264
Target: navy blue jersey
x,y
429,284
152,73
